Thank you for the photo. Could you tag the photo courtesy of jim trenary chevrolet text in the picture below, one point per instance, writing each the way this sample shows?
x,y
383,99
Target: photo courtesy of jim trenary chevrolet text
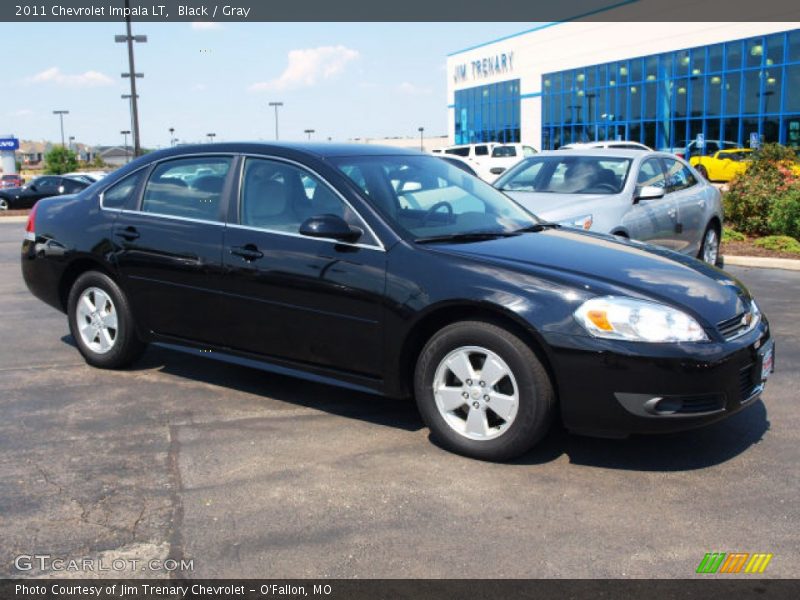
x,y
354,299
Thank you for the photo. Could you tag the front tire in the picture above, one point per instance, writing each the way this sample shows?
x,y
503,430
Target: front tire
x,y
101,322
483,392
4,204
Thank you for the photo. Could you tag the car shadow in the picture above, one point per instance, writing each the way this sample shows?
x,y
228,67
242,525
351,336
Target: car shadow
x,y
684,451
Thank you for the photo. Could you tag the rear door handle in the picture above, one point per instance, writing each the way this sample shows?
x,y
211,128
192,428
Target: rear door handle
x,y
127,233
249,252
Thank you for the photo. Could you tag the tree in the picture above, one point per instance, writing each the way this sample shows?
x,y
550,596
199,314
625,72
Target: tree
x,y
60,160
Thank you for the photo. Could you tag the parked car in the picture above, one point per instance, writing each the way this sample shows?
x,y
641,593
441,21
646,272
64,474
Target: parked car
x,y
689,148
390,271
648,196
10,181
723,165
606,144
40,187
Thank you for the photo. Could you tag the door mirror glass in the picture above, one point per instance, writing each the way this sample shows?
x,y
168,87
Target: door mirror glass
x,y
331,227
649,192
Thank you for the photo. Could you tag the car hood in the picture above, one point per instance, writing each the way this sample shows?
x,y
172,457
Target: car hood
x,y
607,265
555,207
16,190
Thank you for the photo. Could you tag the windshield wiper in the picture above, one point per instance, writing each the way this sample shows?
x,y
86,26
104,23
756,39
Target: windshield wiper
x,y
536,227
468,236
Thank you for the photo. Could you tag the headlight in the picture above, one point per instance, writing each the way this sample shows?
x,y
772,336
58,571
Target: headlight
x,y
584,222
620,318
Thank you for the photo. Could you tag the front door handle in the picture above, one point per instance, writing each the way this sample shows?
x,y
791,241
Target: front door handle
x,y
127,233
249,252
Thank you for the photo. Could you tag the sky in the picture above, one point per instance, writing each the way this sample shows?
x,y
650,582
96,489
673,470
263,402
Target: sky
x,y
345,80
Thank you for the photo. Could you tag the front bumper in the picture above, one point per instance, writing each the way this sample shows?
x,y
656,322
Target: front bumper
x,y
613,389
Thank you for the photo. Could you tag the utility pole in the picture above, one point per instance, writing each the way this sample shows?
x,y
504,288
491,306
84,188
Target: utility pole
x,y
309,132
129,39
211,137
171,136
61,114
276,105
421,147
128,97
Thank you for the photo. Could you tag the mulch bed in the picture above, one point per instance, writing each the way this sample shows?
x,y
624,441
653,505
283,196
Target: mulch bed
x,y
748,248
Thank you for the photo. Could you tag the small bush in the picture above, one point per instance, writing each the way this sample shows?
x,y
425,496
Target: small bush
x,y
731,235
779,243
750,196
784,214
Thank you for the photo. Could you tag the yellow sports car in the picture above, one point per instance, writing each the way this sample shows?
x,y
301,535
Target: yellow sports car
x,y
723,165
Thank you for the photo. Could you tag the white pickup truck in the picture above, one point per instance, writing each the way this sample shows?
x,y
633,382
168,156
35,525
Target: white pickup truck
x,y
491,159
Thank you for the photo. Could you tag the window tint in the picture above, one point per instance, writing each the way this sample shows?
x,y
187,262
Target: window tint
x,y
189,188
45,182
679,177
650,173
503,151
119,194
279,197
481,151
458,151
71,187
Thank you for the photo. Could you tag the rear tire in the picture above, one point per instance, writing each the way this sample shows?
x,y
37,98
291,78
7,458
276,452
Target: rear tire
x,y
483,392
101,322
709,247
4,205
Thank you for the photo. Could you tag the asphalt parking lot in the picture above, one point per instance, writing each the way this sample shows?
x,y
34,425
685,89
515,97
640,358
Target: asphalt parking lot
x,y
253,474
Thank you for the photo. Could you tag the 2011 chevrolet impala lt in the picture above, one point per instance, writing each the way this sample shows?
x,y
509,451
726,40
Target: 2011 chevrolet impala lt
x,y
391,271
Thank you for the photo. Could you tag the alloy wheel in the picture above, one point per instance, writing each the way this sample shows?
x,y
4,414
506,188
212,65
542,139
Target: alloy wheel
x,y
97,320
476,393
711,246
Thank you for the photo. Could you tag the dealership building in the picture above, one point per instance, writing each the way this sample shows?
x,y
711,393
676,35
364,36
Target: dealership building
x,y
662,84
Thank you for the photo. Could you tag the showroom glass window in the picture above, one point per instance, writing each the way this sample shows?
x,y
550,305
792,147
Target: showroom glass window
x,y
488,113
735,91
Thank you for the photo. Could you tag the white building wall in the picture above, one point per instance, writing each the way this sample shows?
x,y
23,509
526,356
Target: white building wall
x,y
568,45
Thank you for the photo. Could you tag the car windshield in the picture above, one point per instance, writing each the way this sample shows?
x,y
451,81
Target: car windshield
x,y
425,197
567,174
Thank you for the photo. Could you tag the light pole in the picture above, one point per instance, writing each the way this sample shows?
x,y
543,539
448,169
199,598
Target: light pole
x,y
309,132
61,114
421,130
125,133
129,39
71,139
171,136
211,137
276,105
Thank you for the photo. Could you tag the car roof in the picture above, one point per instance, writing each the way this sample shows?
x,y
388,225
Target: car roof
x,y
604,152
317,149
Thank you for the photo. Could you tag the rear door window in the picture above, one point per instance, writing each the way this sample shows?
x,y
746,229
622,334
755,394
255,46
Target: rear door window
x,y
190,188
481,151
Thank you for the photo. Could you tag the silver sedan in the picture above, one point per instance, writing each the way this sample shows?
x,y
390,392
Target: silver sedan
x,y
649,196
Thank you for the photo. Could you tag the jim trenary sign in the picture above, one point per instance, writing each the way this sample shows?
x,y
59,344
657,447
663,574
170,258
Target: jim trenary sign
x,y
484,67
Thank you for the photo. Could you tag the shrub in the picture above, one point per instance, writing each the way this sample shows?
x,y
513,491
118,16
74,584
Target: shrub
x,y
784,214
750,196
731,235
60,160
779,243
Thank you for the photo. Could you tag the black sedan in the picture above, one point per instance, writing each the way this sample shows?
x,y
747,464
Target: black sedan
x,y
41,187
397,273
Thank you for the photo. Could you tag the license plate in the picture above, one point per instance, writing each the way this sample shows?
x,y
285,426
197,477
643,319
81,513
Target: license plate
x,y
767,360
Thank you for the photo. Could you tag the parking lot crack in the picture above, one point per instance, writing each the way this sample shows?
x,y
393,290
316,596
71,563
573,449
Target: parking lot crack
x,y
175,538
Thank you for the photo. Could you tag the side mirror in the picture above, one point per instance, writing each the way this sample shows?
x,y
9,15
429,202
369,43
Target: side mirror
x,y
330,226
648,192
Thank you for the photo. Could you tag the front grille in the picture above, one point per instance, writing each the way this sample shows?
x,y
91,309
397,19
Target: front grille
x,y
730,328
746,384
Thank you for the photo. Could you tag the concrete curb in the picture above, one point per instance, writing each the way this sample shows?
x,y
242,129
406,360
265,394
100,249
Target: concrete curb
x,y
762,262
14,219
